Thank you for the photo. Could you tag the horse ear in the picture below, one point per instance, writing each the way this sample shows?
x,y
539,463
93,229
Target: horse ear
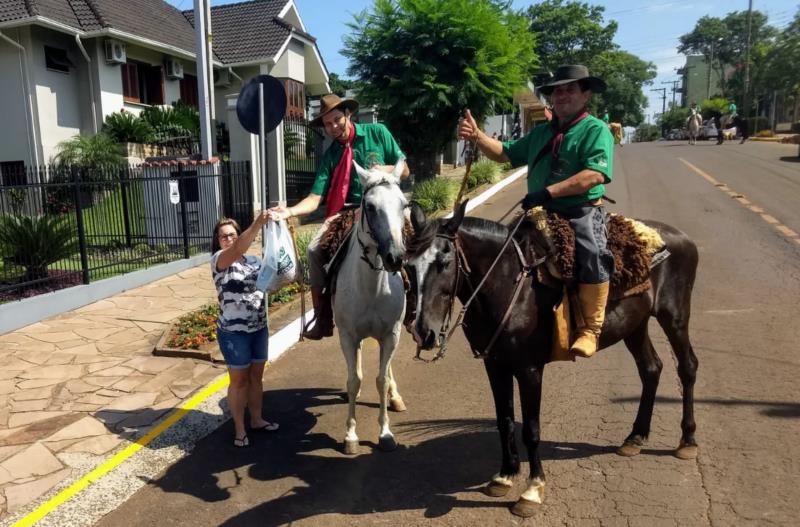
x,y
397,172
363,174
454,223
418,219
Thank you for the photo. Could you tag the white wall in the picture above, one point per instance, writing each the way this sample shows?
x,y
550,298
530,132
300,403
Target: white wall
x,y
292,63
16,143
62,98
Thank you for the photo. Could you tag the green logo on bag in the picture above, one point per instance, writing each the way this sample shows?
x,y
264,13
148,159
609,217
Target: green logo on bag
x,y
285,263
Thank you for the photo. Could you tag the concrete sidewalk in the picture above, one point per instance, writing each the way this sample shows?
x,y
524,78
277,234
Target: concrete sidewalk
x,y
86,383
80,386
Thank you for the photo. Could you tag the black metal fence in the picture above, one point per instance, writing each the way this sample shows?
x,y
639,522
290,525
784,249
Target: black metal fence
x,y
302,150
64,226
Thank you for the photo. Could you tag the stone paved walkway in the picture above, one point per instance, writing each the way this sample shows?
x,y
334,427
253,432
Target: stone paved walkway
x,y
84,383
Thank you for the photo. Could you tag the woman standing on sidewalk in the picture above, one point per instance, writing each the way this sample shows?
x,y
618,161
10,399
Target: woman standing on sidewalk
x,y
242,326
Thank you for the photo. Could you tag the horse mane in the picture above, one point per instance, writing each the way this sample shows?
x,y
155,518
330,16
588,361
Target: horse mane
x,y
475,226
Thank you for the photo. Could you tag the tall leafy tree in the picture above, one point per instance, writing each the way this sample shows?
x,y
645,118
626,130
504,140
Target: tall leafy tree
x,y
723,43
338,85
569,32
782,69
572,32
625,74
422,62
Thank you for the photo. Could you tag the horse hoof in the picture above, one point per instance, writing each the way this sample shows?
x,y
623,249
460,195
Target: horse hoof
x,y
495,489
397,405
629,450
351,447
387,443
524,508
686,451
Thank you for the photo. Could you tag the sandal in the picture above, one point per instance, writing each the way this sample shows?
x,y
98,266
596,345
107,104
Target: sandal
x,y
268,427
242,442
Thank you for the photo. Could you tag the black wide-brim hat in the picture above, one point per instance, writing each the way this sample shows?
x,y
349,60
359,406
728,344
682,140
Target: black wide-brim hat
x,y
331,102
572,73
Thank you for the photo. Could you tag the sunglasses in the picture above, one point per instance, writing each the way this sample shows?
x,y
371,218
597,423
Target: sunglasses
x,y
230,236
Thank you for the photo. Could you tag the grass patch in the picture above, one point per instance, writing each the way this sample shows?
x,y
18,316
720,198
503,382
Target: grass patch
x,y
435,194
484,171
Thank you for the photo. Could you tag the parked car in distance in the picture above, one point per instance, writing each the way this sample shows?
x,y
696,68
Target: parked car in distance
x,y
677,134
709,130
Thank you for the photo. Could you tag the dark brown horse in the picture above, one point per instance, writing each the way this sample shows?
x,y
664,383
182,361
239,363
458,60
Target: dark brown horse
x,y
448,258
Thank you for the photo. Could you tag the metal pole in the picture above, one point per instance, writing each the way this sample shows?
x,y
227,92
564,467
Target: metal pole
x,y
747,62
262,145
201,48
184,215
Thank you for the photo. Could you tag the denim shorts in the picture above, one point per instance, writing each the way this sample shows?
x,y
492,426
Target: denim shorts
x,y
241,349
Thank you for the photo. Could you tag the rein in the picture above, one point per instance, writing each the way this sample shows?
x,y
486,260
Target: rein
x,y
526,271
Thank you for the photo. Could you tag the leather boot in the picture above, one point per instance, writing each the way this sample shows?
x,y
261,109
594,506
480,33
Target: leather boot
x,y
323,316
593,299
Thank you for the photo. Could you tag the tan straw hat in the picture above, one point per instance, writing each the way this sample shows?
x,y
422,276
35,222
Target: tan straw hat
x,y
331,102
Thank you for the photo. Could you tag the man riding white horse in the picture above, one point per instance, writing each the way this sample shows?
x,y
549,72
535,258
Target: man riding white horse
x,y
694,123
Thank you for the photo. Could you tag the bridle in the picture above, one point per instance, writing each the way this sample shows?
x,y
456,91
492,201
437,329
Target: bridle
x,y
462,268
369,230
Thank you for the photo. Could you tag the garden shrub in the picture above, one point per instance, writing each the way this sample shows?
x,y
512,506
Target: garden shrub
x,y
435,194
483,171
36,242
125,127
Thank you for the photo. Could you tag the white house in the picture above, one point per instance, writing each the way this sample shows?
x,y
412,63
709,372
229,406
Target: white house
x,y
66,64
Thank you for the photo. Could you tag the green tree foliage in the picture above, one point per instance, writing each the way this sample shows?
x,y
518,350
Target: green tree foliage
x,y
340,86
625,74
422,62
88,151
673,118
725,39
783,59
570,32
647,132
709,106
36,242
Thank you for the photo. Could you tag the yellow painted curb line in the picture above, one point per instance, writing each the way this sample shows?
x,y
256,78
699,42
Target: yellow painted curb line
x,y
109,465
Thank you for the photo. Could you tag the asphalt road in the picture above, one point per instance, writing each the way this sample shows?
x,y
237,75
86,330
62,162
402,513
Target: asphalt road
x,y
744,329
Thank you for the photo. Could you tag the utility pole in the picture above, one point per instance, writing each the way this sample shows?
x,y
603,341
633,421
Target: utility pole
x,y
747,61
663,105
204,83
674,89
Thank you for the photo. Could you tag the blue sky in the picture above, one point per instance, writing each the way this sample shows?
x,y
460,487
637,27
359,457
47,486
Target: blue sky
x,y
646,28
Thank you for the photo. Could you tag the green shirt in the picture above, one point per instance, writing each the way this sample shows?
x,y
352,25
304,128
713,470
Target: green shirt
x,y
732,108
372,145
588,144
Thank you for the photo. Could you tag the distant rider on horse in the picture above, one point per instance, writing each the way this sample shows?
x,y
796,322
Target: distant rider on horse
x,y
569,161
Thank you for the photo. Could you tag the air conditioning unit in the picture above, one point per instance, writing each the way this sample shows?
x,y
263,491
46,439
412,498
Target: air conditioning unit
x,y
115,52
222,78
174,69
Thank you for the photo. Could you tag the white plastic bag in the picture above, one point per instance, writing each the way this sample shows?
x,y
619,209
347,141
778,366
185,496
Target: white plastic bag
x,y
279,265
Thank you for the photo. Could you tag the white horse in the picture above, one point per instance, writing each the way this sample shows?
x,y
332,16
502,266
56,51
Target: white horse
x,y
694,124
370,298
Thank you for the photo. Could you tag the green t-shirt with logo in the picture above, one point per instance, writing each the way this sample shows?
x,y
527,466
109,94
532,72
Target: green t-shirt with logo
x,y
588,144
372,145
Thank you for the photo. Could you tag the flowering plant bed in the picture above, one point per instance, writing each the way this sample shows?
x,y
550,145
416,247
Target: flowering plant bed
x,y
195,334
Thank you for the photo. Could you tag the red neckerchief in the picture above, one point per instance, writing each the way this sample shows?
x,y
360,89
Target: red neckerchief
x,y
561,132
340,183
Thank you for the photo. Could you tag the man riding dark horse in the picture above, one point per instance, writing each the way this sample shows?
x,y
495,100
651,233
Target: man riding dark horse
x,y
569,161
